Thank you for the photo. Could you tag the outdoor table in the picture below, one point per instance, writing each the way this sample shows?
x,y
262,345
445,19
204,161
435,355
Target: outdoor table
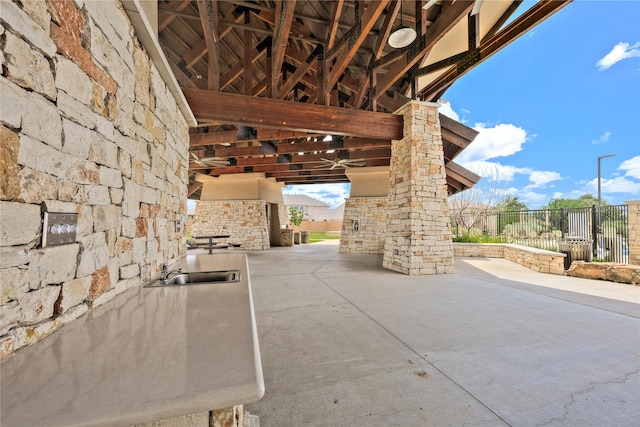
x,y
212,244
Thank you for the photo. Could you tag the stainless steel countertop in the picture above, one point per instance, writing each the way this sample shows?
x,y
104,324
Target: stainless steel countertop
x,y
148,354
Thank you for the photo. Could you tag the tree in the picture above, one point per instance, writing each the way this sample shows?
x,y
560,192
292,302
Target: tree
x,y
584,201
296,216
511,203
470,208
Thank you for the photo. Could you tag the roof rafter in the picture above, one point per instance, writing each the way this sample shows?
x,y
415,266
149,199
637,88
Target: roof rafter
x,y
208,10
355,37
451,15
281,29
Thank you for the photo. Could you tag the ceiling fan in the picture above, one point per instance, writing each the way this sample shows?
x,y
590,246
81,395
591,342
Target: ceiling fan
x,y
341,163
216,162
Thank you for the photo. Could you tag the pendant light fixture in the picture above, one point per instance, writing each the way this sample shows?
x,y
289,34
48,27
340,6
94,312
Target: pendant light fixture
x,y
402,36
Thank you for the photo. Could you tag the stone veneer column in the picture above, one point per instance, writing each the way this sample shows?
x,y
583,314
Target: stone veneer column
x,y
371,213
418,232
634,231
244,220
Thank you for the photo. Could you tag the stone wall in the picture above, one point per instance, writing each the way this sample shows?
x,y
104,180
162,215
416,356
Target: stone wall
x,y
244,220
283,216
87,125
539,260
418,239
372,215
483,250
634,231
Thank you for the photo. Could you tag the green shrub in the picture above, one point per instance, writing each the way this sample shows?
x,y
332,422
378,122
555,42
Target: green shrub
x,y
483,238
296,216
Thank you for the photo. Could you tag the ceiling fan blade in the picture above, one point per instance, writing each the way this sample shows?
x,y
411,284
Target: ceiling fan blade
x,y
355,162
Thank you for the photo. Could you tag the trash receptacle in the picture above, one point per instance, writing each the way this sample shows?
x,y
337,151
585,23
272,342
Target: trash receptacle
x,y
304,236
575,249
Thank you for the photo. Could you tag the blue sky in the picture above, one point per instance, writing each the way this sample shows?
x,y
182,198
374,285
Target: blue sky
x,y
548,105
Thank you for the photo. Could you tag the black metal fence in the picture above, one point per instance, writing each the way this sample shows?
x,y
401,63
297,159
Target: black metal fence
x,y
602,233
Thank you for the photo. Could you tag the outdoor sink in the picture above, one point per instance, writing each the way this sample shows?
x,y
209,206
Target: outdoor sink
x,y
200,277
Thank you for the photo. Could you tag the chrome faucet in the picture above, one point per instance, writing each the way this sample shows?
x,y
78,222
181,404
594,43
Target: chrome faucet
x,y
165,273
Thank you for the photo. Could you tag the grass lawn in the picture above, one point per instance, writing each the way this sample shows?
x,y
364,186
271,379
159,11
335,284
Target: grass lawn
x,y
319,237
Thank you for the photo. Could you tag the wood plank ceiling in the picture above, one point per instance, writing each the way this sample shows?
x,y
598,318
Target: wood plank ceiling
x,y
279,85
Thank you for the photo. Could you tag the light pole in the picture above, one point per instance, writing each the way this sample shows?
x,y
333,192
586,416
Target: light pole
x,y
599,196
598,230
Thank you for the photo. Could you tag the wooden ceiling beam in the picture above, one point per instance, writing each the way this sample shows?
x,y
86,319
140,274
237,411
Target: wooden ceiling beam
x,y
165,19
251,156
208,10
238,151
450,16
269,134
200,48
296,173
350,145
298,75
334,23
186,80
281,29
378,49
311,180
269,17
264,112
356,36
473,31
193,188
385,31
247,57
461,174
212,138
457,130
235,71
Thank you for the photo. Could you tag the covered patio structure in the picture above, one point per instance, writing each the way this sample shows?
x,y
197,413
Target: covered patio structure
x,y
300,92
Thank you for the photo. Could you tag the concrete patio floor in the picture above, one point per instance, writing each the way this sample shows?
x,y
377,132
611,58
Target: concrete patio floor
x,y
345,342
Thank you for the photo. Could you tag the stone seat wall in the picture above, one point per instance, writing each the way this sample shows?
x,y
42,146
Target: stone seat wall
x,y
536,259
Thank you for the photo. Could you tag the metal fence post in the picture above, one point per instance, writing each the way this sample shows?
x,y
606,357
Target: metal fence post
x,y
594,229
562,222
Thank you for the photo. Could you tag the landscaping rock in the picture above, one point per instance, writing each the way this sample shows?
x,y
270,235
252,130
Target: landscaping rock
x,y
613,272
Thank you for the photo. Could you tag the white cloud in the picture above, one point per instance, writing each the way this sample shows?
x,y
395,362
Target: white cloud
x,y
498,141
602,138
619,184
532,199
331,194
618,53
447,110
631,167
542,178
494,171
